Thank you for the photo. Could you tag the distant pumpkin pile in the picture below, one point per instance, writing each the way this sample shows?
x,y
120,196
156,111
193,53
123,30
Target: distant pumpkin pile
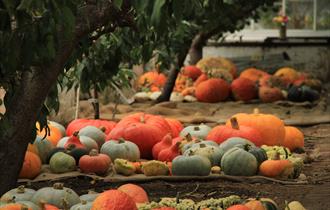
x,y
247,145
125,197
215,79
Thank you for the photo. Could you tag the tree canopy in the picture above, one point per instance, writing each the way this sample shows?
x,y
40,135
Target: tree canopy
x,y
45,42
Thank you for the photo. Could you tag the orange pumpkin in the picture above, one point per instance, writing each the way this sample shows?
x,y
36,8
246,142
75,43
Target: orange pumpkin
x,y
45,206
152,78
276,168
270,94
53,136
238,207
212,90
94,163
188,91
14,206
288,75
253,74
31,166
33,148
138,194
192,72
255,205
271,128
293,139
114,200
176,126
207,64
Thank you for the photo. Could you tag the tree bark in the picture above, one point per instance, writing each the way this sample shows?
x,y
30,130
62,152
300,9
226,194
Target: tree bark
x,y
174,71
17,127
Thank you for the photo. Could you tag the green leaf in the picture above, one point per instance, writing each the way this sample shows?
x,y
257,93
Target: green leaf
x,y
118,3
24,5
178,6
157,12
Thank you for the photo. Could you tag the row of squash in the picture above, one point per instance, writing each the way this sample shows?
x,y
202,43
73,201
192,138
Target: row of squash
x,y
126,197
145,136
214,79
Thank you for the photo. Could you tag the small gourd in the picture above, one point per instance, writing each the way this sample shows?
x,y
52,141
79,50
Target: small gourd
x,y
124,167
155,168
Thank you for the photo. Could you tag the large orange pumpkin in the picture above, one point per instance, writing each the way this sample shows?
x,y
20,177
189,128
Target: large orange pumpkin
x,y
176,126
53,136
78,124
114,200
138,194
31,166
243,89
271,128
212,90
145,130
253,74
293,139
221,133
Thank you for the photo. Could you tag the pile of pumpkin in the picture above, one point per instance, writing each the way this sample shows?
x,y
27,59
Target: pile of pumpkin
x,y
249,144
126,197
215,79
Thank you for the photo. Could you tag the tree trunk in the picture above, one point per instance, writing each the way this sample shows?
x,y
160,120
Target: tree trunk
x,y
174,71
96,104
17,127
196,49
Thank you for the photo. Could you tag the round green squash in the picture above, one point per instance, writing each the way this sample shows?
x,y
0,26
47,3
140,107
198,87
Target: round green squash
x,y
89,197
234,142
83,205
196,144
214,154
18,194
44,147
95,133
121,149
198,131
259,153
61,163
58,195
238,162
191,165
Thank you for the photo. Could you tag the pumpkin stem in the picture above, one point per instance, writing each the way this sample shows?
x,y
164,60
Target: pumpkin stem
x,y
191,153
20,189
196,128
256,111
188,137
75,133
247,147
142,119
234,123
83,202
276,156
58,186
103,129
93,152
71,147
202,145
121,140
